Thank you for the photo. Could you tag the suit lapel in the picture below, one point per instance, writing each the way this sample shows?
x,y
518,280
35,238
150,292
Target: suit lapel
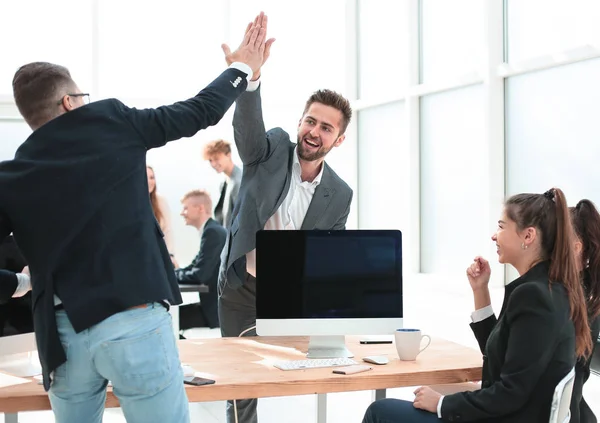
x,y
320,201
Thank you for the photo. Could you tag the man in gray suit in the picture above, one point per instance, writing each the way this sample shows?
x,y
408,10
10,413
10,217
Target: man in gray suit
x,y
285,185
218,154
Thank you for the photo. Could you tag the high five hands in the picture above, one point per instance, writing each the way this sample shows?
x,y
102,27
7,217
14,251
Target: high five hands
x,y
253,50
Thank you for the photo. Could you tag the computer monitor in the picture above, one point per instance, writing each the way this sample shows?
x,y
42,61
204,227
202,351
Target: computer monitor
x,y
18,355
328,284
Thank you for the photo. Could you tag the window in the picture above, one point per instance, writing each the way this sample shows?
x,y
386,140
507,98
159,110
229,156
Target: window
x,y
452,38
382,47
552,131
454,225
541,27
383,168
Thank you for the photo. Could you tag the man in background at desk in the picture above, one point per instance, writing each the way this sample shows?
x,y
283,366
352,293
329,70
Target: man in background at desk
x,y
204,269
286,185
218,153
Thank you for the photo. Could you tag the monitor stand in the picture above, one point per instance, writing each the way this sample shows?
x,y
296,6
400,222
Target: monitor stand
x,y
328,347
21,365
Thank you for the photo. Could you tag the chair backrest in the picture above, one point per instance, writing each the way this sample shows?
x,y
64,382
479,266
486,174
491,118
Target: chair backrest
x,y
595,361
561,400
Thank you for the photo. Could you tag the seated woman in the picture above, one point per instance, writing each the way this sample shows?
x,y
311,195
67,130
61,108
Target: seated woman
x,y
586,222
541,328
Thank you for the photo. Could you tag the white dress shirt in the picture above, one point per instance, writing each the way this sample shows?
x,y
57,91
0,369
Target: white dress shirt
x,y
23,285
477,316
292,211
227,200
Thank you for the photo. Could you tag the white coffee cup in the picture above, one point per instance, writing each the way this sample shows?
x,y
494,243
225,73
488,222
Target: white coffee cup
x,y
408,343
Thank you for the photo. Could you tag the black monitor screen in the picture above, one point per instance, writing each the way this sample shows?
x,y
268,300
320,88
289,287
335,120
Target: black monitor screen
x,y
329,274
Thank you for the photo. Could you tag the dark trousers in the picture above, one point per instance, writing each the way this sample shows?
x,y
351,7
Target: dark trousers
x,y
237,312
193,316
395,411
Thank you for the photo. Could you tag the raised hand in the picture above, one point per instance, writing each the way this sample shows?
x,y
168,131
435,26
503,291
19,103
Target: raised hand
x,y
259,24
479,273
263,21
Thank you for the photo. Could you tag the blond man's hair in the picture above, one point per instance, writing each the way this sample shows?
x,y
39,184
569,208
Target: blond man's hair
x,y
201,195
216,147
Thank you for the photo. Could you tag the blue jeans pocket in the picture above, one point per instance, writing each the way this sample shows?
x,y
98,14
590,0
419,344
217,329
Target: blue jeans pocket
x,y
60,376
142,365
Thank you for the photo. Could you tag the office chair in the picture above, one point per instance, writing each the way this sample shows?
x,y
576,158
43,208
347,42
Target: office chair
x,y
561,400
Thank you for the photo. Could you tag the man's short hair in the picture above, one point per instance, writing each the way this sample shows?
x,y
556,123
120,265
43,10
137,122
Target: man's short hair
x,y
201,195
335,100
37,88
216,147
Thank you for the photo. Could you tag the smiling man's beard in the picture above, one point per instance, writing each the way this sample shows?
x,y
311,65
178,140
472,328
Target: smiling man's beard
x,y
310,156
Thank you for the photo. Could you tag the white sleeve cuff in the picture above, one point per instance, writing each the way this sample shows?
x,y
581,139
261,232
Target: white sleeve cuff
x,y
439,407
253,85
482,314
243,68
23,285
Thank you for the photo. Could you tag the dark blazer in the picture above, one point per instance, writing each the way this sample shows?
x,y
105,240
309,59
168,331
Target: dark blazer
x,y
8,285
204,269
235,180
268,159
15,313
526,352
11,262
76,198
580,410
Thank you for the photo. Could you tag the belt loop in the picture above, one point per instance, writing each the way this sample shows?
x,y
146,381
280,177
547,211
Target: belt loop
x,y
165,304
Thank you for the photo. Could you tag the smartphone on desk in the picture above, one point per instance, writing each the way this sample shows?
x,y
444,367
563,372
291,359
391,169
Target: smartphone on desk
x,y
197,381
350,370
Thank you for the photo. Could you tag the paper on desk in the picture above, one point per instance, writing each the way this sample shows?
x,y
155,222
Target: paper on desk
x,y
8,380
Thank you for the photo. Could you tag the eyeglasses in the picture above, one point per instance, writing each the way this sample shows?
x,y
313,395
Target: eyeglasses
x,y
86,97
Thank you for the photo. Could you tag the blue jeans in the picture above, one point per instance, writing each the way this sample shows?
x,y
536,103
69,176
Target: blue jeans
x,y
137,352
397,411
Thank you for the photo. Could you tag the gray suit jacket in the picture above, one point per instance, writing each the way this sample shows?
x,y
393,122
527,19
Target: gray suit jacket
x,y
268,158
235,181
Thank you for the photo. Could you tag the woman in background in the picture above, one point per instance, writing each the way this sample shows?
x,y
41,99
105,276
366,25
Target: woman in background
x,y
161,210
586,222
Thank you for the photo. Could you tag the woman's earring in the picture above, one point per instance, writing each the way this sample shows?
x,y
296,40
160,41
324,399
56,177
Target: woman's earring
x,y
523,246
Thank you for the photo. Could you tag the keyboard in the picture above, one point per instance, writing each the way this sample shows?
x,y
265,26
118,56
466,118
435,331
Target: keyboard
x,y
314,363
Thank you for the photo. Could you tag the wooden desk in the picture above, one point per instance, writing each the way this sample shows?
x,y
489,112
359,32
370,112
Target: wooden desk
x,y
242,368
